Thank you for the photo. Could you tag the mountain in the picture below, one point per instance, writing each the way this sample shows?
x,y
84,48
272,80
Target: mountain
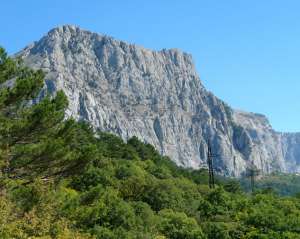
x,y
158,97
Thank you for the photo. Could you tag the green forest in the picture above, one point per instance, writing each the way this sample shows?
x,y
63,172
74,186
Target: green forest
x,y
280,183
62,179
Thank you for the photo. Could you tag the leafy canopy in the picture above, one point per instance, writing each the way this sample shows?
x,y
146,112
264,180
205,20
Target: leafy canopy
x,y
60,179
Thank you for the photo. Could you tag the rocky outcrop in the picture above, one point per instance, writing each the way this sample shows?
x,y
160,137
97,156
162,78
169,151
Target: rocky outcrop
x,y
264,145
291,151
157,96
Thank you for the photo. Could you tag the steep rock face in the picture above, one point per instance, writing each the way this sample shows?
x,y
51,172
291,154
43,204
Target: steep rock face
x,y
291,151
265,145
157,96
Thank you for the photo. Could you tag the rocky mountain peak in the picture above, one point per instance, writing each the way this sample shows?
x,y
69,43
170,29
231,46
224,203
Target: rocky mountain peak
x,y
157,96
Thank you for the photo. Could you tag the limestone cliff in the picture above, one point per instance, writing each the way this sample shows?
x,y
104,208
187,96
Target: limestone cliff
x,y
157,96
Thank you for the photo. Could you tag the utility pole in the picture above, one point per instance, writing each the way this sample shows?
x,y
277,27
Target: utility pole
x,y
252,173
210,156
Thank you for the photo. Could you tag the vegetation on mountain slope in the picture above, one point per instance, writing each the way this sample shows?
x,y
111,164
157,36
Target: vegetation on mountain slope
x,y
59,180
280,183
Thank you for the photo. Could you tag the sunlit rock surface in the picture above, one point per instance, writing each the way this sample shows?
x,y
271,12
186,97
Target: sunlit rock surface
x,y
157,96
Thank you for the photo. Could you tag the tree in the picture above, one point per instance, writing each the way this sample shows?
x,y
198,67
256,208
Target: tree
x,y
176,225
35,140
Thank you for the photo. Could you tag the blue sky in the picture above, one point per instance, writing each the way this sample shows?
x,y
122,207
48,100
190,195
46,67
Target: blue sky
x,y
246,52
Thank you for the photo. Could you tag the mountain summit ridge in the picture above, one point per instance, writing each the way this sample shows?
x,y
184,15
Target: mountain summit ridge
x,y
157,96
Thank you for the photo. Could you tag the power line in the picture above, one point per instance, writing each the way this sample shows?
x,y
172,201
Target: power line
x,y
210,162
253,172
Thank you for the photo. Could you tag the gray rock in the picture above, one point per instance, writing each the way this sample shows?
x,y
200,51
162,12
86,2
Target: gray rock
x,y
158,97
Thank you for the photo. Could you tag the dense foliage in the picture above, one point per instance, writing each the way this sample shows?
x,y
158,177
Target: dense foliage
x,y
280,183
59,179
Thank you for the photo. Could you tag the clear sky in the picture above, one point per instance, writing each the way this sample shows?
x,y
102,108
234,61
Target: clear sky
x,y
246,52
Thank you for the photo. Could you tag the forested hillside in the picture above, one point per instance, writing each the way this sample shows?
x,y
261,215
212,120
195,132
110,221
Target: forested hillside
x,y
61,179
280,183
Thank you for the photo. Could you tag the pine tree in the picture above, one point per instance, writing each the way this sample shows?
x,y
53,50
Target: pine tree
x,y
35,140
